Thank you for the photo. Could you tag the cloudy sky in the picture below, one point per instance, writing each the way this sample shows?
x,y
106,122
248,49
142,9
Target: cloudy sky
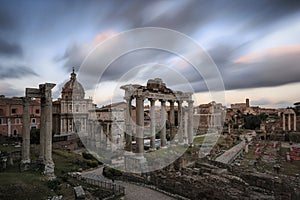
x,y
254,44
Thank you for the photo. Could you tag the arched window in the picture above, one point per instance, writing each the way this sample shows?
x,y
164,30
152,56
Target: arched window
x,y
15,133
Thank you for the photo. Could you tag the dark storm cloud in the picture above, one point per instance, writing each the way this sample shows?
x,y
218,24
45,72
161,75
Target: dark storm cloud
x,y
10,49
16,72
251,20
9,91
187,16
268,71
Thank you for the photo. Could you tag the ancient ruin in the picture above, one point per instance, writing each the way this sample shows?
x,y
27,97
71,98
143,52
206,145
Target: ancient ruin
x,y
156,90
289,113
45,158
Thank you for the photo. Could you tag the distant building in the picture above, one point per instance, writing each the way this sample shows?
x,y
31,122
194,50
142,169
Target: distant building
x,y
241,107
112,120
11,111
71,111
209,115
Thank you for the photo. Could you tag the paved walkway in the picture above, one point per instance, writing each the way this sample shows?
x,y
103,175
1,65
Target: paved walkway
x,y
229,155
132,191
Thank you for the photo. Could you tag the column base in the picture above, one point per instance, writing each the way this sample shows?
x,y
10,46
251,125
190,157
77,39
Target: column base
x,y
49,170
135,163
152,149
25,165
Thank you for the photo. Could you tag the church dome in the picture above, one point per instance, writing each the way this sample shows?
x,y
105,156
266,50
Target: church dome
x,y
72,89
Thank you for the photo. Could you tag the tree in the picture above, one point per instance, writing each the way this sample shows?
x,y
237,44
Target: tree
x,y
252,121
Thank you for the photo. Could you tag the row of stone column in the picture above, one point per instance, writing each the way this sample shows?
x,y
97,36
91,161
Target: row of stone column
x,y
289,122
140,123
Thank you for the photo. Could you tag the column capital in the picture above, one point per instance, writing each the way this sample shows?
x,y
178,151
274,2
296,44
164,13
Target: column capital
x,y
179,101
190,101
171,101
128,98
152,99
162,101
140,96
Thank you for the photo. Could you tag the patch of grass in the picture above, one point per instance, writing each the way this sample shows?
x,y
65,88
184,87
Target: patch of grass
x,y
8,148
199,140
26,185
67,162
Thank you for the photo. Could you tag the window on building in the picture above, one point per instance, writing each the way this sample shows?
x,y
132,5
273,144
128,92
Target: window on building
x,y
70,107
37,111
17,121
1,112
14,111
15,133
77,108
33,121
1,122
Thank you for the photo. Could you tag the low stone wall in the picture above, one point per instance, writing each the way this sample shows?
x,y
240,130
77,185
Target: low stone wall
x,y
211,182
289,136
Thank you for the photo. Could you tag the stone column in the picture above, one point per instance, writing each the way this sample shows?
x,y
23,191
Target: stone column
x,y
289,121
93,137
128,136
163,124
172,121
295,122
180,122
46,111
152,125
185,125
108,136
42,133
98,135
190,122
140,124
283,122
26,135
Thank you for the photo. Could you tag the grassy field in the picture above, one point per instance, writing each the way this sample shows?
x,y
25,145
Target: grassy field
x,y
26,185
34,185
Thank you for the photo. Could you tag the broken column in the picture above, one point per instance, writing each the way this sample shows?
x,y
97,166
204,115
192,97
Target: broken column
x,y
163,124
46,124
152,125
180,122
172,121
190,122
128,145
140,124
25,162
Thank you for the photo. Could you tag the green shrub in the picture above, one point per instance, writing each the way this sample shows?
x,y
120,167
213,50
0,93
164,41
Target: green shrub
x,y
110,172
92,163
88,156
53,184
